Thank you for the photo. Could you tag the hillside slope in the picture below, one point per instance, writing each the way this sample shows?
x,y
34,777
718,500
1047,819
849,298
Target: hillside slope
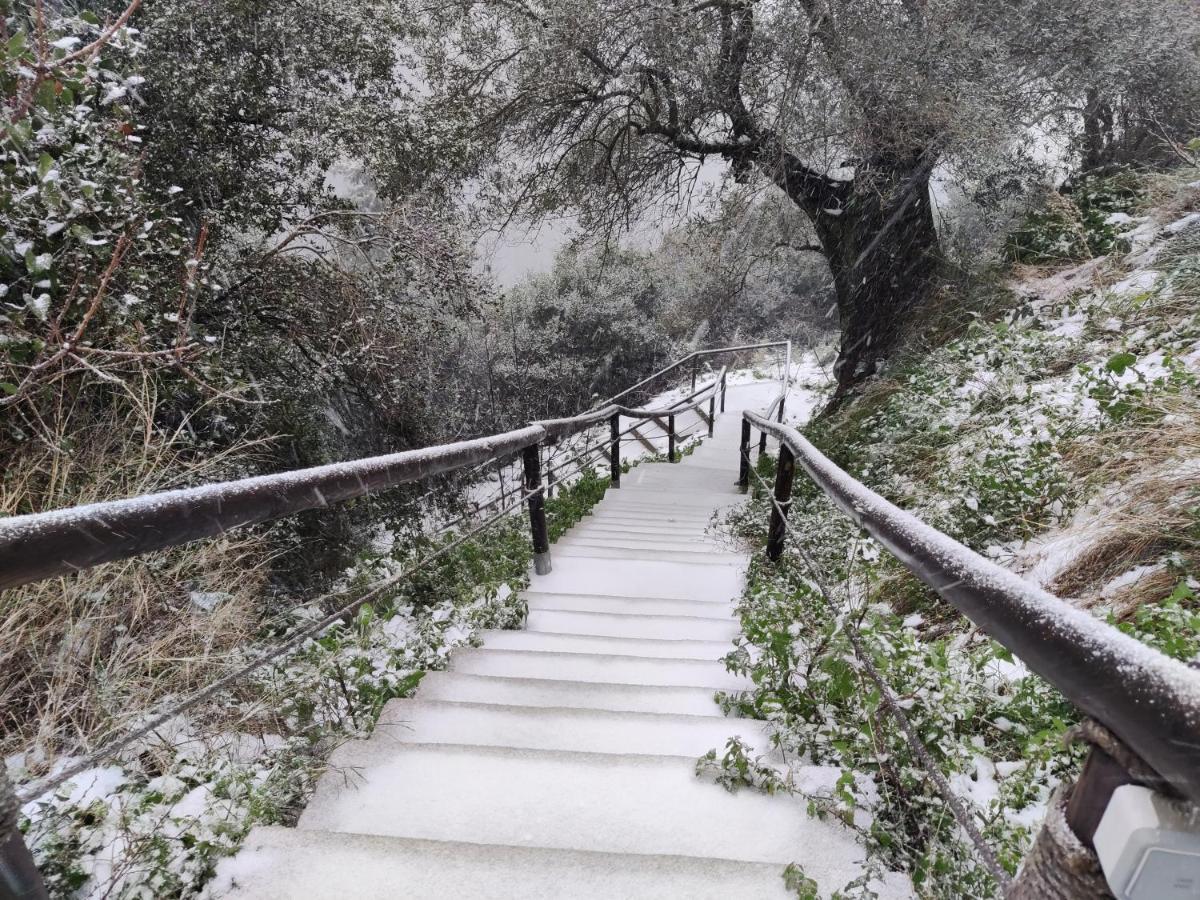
x,y
1058,433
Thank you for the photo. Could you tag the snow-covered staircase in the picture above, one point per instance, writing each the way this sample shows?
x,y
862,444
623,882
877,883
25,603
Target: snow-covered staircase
x,y
559,761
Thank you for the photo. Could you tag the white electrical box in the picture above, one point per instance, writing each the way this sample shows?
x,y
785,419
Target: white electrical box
x,y
1149,846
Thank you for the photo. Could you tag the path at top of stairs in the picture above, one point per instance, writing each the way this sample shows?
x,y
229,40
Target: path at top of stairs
x,y
559,761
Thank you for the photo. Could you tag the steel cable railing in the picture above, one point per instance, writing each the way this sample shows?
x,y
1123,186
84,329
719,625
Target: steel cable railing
x,y
62,542
936,777
1147,701
116,745
1150,701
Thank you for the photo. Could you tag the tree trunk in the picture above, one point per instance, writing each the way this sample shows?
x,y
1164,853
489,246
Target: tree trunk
x,y
884,259
879,237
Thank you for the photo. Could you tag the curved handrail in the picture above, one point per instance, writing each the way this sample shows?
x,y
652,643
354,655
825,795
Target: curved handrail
x,y
694,400
1150,701
696,354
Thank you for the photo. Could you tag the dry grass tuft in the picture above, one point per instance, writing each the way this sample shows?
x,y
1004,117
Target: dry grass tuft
x,y
83,654
1152,511
1170,195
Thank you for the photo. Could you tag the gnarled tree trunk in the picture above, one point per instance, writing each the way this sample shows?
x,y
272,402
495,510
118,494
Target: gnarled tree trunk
x,y
879,237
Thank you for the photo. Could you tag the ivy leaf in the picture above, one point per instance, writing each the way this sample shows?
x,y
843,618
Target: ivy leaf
x,y
1119,363
7,387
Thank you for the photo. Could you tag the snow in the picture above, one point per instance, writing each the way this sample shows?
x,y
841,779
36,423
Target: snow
x,y
93,785
1138,283
1128,579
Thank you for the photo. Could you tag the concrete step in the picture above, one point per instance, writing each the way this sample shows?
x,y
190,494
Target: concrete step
x,y
693,557
578,694
287,864
605,624
629,606
596,667
653,514
585,643
650,501
664,540
576,801
676,530
644,578
562,728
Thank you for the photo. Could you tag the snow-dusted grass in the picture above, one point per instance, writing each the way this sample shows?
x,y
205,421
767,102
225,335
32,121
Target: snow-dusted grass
x,y
1058,436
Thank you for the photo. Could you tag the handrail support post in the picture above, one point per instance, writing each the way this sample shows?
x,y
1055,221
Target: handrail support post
x,y
671,438
744,459
785,471
724,380
19,876
537,510
712,413
614,452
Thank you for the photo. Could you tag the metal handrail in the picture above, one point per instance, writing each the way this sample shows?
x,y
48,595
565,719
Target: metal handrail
x,y
697,354
60,542
1150,701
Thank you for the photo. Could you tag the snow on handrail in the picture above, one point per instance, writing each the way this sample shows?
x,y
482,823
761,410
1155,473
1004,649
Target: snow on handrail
x,y
42,545
696,354
60,542
692,401
1149,700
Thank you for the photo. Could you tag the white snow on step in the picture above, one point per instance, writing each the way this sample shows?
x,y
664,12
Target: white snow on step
x,y
572,801
562,728
559,761
282,864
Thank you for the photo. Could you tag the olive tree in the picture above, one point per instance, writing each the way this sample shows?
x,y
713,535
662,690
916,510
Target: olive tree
x,y
846,106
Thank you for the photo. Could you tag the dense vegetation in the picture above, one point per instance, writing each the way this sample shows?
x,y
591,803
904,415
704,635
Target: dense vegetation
x,y
240,236
1053,429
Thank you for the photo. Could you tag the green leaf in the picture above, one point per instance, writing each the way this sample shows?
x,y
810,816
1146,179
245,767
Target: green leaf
x,y
7,387
90,17
45,164
1119,363
16,44
47,97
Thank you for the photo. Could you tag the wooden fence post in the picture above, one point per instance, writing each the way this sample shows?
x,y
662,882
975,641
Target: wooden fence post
x,y
744,459
671,438
724,378
19,877
614,453
695,365
784,473
712,413
537,510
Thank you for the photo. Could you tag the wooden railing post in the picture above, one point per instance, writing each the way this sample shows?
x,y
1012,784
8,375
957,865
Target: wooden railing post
x,y
550,481
784,473
537,510
762,444
744,459
19,877
724,379
614,453
671,438
782,401
695,366
712,413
